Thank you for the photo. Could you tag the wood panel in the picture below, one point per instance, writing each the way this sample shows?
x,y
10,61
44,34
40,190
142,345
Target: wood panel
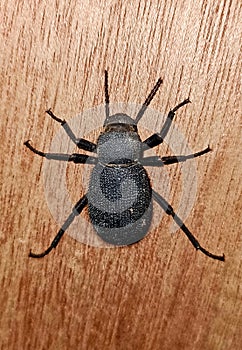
x,y
159,293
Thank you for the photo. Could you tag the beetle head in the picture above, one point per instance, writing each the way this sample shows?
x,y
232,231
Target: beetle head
x,y
119,122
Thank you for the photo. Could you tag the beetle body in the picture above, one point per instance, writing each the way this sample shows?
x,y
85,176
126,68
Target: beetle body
x,y
119,195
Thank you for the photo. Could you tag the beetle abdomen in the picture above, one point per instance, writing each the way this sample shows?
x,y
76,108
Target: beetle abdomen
x,y
119,203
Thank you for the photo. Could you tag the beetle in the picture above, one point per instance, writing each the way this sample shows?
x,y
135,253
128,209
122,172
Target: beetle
x,y
120,195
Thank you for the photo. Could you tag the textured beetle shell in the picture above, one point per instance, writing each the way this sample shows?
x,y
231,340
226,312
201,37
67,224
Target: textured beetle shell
x,y
119,196
116,145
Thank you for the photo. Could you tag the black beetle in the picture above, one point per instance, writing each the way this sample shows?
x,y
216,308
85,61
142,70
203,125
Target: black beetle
x,y
120,196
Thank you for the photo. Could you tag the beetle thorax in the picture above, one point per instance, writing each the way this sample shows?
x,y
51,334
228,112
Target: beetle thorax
x,y
118,147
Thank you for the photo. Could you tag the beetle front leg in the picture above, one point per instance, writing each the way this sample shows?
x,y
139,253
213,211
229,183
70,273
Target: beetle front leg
x,y
79,142
169,210
157,139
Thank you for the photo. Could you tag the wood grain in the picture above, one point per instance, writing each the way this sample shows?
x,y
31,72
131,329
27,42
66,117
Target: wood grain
x,y
159,293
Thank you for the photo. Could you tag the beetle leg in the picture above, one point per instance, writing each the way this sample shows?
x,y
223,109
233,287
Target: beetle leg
x,y
161,161
75,157
169,210
182,158
157,139
80,143
75,212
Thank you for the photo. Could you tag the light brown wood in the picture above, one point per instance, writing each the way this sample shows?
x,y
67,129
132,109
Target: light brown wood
x,y
159,293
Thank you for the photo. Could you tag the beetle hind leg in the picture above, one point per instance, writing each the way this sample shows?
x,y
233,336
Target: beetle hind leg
x,y
169,210
79,206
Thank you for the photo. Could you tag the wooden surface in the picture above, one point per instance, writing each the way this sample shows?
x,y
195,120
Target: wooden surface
x,y
159,293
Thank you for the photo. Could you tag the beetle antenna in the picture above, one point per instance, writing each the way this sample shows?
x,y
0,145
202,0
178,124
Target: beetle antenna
x,y
148,100
106,95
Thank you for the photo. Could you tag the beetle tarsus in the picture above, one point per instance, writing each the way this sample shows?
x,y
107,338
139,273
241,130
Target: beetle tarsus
x,y
41,255
213,256
51,114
